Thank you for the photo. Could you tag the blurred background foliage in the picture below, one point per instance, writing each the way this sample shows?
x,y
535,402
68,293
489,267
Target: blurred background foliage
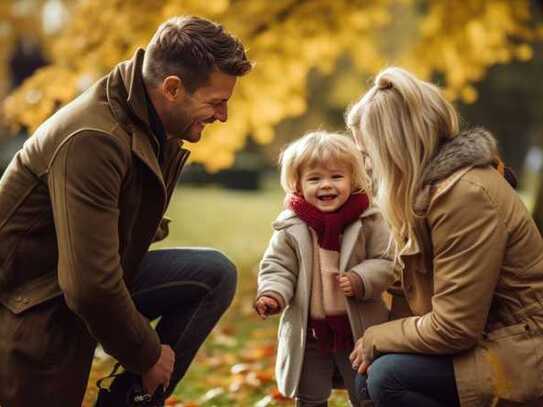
x,y
313,58
298,46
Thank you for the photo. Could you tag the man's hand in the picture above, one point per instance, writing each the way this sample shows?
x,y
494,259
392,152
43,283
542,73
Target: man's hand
x,y
160,373
357,358
266,306
345,285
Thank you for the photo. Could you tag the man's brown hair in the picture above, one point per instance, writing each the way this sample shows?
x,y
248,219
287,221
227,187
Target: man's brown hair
x,y
192,48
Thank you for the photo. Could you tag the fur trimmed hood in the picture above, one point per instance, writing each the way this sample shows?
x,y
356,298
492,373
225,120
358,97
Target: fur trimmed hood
x,y
474,147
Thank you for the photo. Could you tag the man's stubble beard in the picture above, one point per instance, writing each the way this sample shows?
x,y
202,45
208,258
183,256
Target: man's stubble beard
x,y
179,125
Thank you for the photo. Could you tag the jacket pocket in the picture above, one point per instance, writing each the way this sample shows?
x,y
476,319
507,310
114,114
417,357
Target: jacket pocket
x,y
36,251
513,360
50,335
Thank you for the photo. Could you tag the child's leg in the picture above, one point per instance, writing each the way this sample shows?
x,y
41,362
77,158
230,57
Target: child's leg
x,y
315,384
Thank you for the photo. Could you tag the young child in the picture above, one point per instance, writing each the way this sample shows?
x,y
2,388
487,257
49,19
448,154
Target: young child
x,y
325,267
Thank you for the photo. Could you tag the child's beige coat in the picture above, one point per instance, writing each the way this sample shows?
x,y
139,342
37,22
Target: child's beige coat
x,y
286,269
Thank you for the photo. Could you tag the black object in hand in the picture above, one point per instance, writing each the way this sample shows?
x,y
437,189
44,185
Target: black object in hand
x,y
127,391
138,397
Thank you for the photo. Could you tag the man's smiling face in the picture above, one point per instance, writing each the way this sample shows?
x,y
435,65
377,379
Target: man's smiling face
x,y
189,113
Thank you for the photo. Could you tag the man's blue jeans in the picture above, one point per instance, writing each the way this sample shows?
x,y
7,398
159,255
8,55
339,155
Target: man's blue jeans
x,y
410,380
189,289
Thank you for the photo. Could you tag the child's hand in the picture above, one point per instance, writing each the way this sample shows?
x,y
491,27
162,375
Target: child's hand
x,y
345,285
266,306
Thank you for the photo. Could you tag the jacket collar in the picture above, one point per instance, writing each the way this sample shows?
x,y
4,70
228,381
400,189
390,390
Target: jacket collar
x,y
127,100
472,148
300,230
126,92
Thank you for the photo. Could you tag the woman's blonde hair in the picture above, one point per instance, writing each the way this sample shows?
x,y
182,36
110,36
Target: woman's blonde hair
x,y
318,148
400,122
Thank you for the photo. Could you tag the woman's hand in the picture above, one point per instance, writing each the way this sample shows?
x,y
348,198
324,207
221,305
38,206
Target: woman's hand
x,y
357,358
266,306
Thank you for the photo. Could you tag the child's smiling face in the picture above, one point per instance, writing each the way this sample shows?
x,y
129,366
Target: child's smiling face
x,y
327,186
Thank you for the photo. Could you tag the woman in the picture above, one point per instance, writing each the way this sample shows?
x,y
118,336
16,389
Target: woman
x,y
469,255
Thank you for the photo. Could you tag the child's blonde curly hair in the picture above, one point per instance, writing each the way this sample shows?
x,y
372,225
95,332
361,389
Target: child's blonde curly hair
x,y
320,148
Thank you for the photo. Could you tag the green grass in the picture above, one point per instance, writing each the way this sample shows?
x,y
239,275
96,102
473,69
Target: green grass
x,y
238,223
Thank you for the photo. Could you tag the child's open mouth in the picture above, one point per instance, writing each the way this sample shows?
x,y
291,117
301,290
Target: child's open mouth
x,y
329,197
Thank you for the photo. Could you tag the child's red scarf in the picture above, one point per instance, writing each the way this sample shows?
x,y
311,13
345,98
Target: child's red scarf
x,y
329,225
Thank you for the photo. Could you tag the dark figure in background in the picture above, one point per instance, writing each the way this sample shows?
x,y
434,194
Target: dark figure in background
x,y
80,205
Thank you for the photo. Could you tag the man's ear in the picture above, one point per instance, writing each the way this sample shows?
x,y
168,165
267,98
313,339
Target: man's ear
x,y
172,87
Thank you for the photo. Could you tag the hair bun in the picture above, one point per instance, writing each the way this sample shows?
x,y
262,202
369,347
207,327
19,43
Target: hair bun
x,y
383,83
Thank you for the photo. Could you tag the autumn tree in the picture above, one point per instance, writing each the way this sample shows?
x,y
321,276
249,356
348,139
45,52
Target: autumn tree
x,y
287,39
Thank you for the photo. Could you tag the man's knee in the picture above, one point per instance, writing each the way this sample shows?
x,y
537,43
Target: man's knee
x,y
224,271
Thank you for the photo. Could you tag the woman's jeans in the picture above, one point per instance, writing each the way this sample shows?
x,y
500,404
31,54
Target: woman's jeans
x,y
410,380
189,289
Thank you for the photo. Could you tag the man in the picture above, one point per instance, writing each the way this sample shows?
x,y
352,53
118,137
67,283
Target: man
x,y
79,206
